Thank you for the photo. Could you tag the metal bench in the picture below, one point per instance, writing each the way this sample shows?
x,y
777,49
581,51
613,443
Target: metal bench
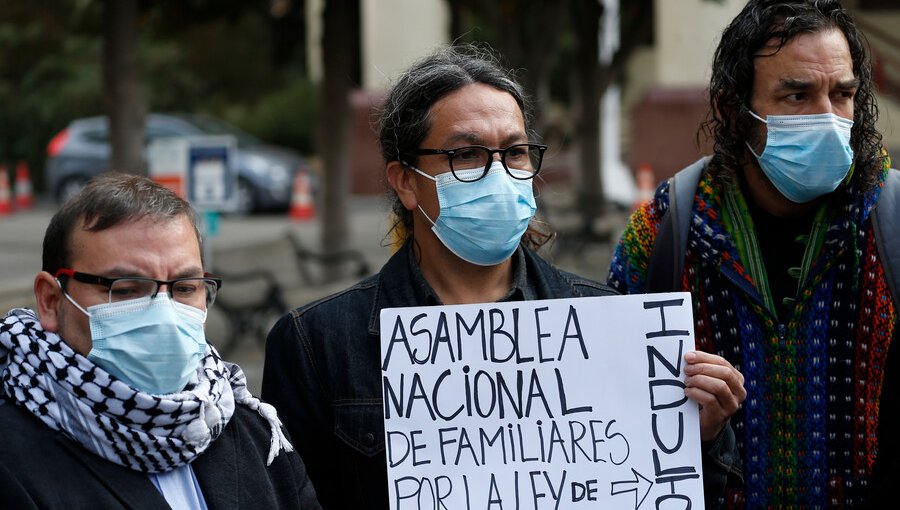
x,y
266,281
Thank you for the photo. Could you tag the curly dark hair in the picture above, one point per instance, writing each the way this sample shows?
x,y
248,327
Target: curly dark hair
x,y
731,84
405,121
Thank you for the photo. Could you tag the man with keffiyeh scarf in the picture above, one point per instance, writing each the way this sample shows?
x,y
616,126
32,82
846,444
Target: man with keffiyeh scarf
x,y
110,396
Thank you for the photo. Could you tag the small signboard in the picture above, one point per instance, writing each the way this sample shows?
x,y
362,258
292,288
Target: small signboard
x,y
199,168
554,404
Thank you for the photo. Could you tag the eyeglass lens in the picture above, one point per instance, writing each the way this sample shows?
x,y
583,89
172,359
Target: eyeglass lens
x,y
196,292
524,157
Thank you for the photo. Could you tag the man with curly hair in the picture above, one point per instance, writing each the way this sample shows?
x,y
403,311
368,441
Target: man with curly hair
x,y
781,259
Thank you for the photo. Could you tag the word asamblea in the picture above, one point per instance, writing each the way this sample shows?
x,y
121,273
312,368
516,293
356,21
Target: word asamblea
x,y
496,333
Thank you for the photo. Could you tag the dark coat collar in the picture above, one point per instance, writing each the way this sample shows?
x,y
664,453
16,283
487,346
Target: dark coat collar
x,y
400,283
134,489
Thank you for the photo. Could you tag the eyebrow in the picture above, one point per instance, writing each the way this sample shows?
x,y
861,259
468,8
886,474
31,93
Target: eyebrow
x,y
798,84
471,138
192,272
849,84
119,272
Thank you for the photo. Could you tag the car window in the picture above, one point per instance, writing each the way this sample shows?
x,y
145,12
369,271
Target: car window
x,y
212,126
96,135
152,133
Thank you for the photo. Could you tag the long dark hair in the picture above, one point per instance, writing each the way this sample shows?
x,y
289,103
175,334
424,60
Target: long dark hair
x,y
731,84
405,120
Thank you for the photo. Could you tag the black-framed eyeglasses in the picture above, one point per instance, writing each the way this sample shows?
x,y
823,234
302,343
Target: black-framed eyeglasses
x,y
198,292
522,160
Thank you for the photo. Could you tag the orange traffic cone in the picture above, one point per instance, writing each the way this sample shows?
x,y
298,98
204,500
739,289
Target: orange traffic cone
x,y
302,207
646,184
24,197
5,200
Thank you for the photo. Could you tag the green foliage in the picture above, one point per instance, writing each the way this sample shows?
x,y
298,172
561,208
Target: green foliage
x,y
285,117
50,75
170,84
199,56
226,60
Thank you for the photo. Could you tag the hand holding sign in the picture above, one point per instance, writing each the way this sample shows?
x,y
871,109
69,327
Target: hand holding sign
x,y
717,386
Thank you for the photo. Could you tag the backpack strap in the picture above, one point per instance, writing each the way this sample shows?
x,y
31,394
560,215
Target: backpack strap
x,y
886,224
666,264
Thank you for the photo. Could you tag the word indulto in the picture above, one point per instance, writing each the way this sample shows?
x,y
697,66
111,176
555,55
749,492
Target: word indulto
x,y
665,373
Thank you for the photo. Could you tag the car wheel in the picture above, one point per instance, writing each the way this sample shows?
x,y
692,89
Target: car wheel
x,y
246,197
71,187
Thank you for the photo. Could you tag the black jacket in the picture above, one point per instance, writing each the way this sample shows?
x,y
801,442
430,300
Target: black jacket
x,y
323,373
41,468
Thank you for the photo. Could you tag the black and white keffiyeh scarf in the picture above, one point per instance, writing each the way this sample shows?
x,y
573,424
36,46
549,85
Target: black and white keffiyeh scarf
x,y
143,432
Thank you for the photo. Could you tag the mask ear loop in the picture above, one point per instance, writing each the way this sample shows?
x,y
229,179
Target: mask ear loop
x,y
757,117
69,298
764,121
423,174
433,224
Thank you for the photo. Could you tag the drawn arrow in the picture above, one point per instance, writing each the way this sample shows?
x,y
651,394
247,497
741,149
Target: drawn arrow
x,y
625,486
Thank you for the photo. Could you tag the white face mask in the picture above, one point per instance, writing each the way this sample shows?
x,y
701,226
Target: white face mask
x,y
482,222
153,344
806,156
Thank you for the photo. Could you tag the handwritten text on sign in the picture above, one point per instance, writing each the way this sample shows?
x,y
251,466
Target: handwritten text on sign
x,y
564,403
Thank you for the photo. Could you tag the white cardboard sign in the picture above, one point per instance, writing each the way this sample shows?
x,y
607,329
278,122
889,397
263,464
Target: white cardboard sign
x,y
564,403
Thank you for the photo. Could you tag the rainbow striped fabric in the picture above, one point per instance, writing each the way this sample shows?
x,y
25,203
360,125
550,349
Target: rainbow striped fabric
x,y
807,432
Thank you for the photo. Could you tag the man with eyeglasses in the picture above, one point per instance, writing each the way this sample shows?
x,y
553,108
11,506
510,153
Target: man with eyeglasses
x,y
111,397
460,166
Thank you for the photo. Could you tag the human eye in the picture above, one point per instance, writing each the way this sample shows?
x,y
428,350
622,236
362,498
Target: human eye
x,y
123,289
465,158
846,95
517,151
187,288
796,97
468,153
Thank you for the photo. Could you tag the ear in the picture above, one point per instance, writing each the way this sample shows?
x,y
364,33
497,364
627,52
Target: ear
x,y
403,182
48,294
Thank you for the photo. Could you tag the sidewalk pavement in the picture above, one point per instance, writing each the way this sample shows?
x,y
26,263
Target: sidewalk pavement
x,y
21,236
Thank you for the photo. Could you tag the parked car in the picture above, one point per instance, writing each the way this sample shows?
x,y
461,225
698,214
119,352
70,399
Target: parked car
x,y
265,172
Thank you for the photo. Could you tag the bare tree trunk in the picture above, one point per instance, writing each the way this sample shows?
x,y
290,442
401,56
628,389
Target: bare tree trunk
x,y
457,10
587,27
124,94
334,125
528,44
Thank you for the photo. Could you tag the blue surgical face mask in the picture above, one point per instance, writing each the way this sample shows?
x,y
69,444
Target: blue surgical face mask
x,y
482,222
806,156
153,344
